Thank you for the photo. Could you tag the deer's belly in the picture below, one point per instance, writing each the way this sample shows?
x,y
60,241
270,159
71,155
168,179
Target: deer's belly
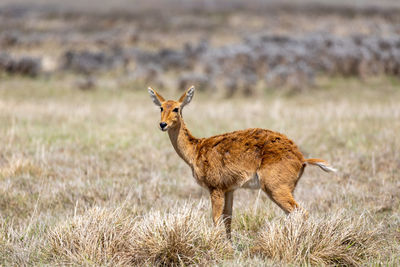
x,y
198,180
229,181
253,183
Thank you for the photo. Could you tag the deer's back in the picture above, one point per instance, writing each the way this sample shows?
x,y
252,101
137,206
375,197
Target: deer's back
x,y
231,158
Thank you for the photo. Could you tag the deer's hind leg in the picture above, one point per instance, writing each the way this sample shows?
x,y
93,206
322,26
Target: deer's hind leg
x,y
278,182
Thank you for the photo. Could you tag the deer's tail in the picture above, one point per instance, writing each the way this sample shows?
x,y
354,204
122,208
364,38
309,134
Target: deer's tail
x,y
324,165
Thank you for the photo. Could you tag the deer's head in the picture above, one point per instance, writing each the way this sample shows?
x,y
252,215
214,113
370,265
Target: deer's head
x,y
171,111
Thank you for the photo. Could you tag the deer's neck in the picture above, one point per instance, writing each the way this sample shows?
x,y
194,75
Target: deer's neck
x,y
183,142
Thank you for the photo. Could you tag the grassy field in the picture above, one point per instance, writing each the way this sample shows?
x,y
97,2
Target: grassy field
x,y
87,178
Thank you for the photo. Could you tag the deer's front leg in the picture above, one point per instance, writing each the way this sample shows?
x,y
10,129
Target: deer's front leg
x,y
227,213
217,203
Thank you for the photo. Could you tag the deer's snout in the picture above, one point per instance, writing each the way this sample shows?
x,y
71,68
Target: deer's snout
x,y
163,125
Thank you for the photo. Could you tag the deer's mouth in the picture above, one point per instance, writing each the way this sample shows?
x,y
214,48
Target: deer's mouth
x,y
165,128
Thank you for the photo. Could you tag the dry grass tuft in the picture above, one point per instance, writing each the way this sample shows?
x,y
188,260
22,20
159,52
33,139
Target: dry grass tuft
x,y
92,238
181,237
101,237
334,239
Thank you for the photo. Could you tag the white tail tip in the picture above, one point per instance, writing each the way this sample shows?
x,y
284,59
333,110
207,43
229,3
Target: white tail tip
x,y
325,167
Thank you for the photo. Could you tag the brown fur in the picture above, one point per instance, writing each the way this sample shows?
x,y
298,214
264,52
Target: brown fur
x,y
226,162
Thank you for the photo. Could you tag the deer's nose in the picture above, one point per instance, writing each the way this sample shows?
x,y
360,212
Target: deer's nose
x,y
163,125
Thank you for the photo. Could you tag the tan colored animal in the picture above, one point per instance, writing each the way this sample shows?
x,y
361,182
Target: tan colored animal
x,y
252,158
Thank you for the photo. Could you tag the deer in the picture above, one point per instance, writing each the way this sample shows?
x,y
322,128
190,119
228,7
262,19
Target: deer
x,y
252,158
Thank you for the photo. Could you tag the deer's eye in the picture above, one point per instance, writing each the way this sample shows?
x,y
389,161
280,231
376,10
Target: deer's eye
x,y
161,109
175,110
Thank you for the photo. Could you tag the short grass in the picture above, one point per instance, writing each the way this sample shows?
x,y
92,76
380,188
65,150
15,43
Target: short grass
x,y
86,178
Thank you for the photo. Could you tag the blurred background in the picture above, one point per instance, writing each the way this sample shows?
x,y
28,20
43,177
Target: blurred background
x,y
229,47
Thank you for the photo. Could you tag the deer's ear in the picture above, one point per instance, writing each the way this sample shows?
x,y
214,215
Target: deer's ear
x,y
187,96
156,97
